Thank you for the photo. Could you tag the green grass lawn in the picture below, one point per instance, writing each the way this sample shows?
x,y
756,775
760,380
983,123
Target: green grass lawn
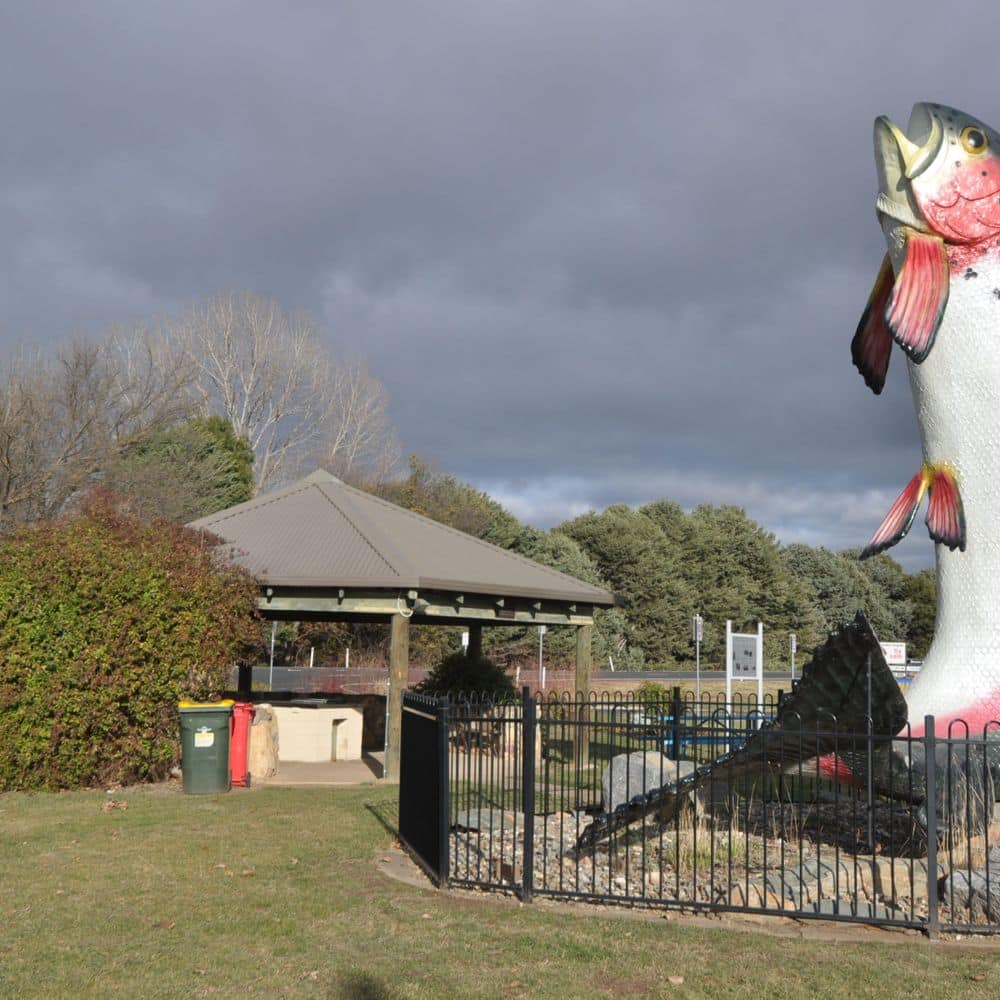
x,y
275,893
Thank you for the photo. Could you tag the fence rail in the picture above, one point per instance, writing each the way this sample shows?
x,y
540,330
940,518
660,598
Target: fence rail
x,y
907,838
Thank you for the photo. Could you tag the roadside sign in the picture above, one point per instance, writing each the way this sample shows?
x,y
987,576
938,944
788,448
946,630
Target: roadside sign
x,y
894,653
699,624
745,662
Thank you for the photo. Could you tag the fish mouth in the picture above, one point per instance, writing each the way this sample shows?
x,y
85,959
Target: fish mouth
x,y
902,156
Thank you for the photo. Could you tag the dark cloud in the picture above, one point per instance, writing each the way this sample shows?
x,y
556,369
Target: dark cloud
x,y
597,251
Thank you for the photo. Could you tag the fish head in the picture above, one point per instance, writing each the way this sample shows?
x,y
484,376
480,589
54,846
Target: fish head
x,y
940,176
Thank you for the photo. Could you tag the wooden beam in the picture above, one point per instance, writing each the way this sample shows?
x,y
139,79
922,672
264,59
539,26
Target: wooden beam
x,y
399,664
436,607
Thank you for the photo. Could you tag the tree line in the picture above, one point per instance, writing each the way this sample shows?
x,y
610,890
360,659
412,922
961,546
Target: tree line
x,y
666,565
196,412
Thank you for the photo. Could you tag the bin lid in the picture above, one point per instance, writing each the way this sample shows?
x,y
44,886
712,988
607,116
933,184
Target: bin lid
x,y
227,703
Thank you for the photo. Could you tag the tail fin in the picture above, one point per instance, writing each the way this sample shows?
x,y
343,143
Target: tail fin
x,y
830,700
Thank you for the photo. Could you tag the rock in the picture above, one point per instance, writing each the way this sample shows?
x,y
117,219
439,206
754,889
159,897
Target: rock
x,y
975,891
634,774
262,755
490,819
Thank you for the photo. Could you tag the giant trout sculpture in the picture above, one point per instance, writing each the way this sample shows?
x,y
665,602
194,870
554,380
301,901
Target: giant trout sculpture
x,y
937,297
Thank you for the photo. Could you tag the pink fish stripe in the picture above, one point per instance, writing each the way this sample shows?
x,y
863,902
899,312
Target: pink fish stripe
x,y
983,716
945,513
901,514
872,341
920,295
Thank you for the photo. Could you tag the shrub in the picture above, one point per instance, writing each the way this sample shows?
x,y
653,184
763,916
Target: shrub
x,y
650,693
461,675
106,622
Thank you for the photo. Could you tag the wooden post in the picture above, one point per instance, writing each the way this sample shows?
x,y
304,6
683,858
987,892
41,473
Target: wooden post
x,y
584,658
399,664
244,681
475,640
584,665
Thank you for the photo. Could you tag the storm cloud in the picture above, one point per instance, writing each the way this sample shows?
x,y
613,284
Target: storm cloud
x,y
598,252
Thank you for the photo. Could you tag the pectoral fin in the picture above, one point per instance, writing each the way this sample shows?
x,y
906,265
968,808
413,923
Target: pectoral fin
x,y
872,343
918,298
945,514
900,517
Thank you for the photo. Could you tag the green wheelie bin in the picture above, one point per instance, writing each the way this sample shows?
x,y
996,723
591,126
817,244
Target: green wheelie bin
x,y
205,728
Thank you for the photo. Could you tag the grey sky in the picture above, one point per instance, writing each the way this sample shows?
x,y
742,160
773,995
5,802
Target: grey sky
x,y
597,252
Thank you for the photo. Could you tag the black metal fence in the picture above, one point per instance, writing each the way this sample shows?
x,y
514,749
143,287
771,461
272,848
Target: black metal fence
x,y
897,831
424,808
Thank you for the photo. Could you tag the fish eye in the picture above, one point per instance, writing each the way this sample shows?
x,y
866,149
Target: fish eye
x,y
974,140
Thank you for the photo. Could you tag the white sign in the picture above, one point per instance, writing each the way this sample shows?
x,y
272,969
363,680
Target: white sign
x,y
894,653
745,662
698,627
793,642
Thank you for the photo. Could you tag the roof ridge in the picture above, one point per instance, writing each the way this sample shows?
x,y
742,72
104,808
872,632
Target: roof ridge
x,y
254,503
388,552
533,563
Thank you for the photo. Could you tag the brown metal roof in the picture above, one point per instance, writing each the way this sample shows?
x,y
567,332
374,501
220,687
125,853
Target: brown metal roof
x,y
320,532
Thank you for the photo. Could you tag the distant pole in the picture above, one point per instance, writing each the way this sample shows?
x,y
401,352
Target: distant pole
x,y
729,667
760,671
792,642
698,624
541,664
270,672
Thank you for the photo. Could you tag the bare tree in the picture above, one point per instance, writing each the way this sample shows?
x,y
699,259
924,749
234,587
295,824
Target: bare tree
x,y
358,443
272,378
62,417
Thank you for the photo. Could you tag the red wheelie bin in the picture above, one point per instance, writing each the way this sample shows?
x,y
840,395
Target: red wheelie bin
x,y
239,743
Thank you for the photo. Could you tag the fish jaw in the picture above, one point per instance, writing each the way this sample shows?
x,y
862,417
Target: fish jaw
x,y
940,176
895,154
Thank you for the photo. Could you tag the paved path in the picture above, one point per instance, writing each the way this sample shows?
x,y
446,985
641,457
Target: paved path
x,y
327,774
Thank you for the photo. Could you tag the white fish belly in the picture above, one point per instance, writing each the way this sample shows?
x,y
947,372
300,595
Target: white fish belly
x,y
956,393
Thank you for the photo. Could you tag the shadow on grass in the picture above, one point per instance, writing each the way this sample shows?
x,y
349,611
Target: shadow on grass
x,y
361,986
387,813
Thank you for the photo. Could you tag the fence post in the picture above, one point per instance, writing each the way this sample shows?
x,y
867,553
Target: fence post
x,y
444,804
930,762
676,724
528,728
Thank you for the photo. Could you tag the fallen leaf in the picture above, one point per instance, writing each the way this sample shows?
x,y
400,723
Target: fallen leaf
x,y
247,873
294,861
675,980
978,977
167,925
219,866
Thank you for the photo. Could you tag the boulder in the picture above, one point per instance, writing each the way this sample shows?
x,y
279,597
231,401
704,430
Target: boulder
x,y
262,755
633,774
